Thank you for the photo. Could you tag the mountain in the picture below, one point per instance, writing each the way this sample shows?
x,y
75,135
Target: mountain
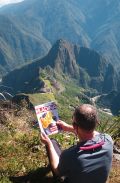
x,y
86,66
16,46
29,29
110,101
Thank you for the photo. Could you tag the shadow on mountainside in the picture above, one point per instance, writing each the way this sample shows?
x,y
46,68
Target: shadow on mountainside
x,y
37,176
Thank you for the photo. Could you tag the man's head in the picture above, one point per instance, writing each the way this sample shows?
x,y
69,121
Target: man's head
x,y
85,116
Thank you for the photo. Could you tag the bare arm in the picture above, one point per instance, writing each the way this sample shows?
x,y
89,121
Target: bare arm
x,y
54,158
66,127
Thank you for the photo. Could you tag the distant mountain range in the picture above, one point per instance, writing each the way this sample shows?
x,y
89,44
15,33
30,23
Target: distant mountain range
x,y
29,29
86,66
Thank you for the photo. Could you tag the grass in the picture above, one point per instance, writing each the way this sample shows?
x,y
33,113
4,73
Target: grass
x,y
22,155
38,98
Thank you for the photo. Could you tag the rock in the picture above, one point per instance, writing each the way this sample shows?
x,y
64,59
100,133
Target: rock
x,y
116,156
116,150
22,99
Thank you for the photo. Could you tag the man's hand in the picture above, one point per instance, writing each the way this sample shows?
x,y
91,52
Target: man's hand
x,y
64,126
45,139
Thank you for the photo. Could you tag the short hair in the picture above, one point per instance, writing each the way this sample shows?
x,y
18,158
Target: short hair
x,y
86,117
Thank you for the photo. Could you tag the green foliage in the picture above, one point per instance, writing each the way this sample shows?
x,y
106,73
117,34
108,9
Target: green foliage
x,y
39,98
110,126
68,100
20,153
5,180
65,140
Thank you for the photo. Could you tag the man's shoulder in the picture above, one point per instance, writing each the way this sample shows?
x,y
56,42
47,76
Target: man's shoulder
x,y
104,137
108,138
70,151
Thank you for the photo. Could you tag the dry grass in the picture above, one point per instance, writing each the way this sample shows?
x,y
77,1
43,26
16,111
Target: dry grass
x,y
115,172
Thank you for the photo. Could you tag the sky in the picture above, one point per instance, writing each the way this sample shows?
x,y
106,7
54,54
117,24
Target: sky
x,y
4,2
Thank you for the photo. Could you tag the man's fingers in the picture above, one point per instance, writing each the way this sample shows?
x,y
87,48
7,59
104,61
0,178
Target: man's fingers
x,y
60,122
43,134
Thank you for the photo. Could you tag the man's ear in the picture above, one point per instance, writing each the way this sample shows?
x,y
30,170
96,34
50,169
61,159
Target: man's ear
x,y
75,128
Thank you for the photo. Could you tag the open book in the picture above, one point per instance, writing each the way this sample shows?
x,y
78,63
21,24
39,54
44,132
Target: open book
x,y
47,116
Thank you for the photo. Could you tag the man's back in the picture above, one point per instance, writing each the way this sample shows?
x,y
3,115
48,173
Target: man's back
x,y
88,162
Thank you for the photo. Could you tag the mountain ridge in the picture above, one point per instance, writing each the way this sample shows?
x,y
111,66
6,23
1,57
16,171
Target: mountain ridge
x,y
70,60
40,23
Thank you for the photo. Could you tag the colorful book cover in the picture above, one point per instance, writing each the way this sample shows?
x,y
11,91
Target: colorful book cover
x,y
47,116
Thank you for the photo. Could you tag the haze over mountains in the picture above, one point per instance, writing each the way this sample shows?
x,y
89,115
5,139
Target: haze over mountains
x,y
5,2
29,29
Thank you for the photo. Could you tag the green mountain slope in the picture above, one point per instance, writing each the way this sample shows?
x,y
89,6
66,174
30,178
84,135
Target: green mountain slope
x,y
87,67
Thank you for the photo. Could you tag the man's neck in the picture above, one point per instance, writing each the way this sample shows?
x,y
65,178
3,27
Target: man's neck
x,y
87,135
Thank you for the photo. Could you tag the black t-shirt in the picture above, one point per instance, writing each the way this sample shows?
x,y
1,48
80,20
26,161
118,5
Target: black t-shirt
x,y
89,161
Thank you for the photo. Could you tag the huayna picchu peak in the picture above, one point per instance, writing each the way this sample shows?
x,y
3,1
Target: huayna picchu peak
x,y
88,67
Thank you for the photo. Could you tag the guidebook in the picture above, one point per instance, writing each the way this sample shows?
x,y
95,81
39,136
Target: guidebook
x,y
47,116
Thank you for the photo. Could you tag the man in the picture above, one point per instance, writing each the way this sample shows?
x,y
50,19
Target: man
x,y
88,161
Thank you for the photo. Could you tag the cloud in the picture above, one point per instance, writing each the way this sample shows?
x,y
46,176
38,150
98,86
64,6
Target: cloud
x,y
4,2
